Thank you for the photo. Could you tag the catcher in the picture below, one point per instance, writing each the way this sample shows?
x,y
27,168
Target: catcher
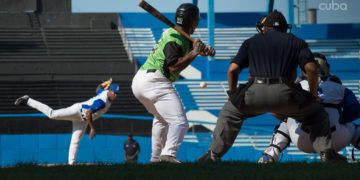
x,y
342,107
81,114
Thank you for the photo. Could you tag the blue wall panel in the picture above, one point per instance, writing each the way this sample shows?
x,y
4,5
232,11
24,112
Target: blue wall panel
x,y
47,155
99,141
48,141
9,142
62,155
29,142
103,155
9,157
145,20
307,31
63,141
85,154
28,155
113,153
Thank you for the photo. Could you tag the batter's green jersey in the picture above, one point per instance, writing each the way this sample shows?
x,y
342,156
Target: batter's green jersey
x,y
156,59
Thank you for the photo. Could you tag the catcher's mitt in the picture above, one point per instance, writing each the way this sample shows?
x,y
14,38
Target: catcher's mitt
x,y
106,84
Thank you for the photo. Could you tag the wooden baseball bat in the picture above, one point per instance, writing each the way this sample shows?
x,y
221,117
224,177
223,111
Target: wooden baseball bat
x,y
150,9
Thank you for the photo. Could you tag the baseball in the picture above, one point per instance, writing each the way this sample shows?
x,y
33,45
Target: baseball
x,y
203,84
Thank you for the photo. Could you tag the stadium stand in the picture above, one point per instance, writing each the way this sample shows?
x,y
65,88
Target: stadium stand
x,y
228,41
61,54
139,42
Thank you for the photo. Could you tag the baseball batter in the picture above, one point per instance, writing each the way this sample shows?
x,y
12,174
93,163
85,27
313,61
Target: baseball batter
x,y
152,84
337,101
81,114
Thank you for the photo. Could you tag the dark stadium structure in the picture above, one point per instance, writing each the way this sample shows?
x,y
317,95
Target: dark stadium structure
x,y
59,58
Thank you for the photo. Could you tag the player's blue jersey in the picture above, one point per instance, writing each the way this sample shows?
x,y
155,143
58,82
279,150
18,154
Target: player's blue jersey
x,y
98,105
334,93
331,92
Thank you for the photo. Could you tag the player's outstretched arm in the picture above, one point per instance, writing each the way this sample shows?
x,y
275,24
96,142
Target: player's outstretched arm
x,y
91,124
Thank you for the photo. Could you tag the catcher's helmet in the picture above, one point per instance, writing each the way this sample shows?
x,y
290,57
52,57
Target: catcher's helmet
x,y
275,20
185,13
323,65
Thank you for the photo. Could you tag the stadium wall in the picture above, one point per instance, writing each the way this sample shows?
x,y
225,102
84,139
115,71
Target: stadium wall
x,y
53,149
228,20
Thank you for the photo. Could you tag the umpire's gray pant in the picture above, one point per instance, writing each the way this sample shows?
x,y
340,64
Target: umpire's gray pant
x,y
276,98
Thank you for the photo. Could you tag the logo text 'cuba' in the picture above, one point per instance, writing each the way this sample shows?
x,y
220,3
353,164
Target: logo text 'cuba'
x,y
333,6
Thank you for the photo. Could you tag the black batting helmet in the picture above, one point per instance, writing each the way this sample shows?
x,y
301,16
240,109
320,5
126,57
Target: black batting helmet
x,y
275,20
184,14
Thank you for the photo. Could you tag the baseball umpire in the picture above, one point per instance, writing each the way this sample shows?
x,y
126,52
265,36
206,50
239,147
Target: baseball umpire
x,y
152,84
81,114
272,57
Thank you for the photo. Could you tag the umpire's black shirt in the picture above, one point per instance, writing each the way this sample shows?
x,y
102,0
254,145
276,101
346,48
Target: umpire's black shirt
x,y
273,54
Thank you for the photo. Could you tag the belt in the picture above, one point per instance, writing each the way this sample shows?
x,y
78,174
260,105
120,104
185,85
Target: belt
x,y
279,80
151,70
332,129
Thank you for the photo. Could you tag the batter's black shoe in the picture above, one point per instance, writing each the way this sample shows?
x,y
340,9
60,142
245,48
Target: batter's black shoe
x,y
209,156
330,156
169,159
22,101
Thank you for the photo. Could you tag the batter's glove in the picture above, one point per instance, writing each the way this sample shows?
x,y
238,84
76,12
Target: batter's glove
x,y
106,84
208,51
198,46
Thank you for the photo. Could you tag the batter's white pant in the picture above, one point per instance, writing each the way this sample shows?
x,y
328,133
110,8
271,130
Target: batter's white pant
x,y
343,135
71,113
160,98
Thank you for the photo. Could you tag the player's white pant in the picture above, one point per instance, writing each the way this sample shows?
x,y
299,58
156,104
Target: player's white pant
x,y
160,98
342,135
71,113
78,130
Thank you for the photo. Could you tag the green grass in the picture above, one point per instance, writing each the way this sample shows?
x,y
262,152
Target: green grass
x,y
186,171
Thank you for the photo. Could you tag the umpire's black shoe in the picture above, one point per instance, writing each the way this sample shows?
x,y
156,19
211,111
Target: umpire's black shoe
x,y
331,156
21,101
209,156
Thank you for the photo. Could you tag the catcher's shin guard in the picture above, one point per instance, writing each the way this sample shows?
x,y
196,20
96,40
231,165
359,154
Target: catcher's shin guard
x,y
279,142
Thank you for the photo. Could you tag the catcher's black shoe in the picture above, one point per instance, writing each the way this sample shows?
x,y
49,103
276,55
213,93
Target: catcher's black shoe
x,y
21,101
265,159
330,156
209,156
169,159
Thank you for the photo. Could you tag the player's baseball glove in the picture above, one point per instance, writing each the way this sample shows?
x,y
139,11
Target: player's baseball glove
x,y
106,84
